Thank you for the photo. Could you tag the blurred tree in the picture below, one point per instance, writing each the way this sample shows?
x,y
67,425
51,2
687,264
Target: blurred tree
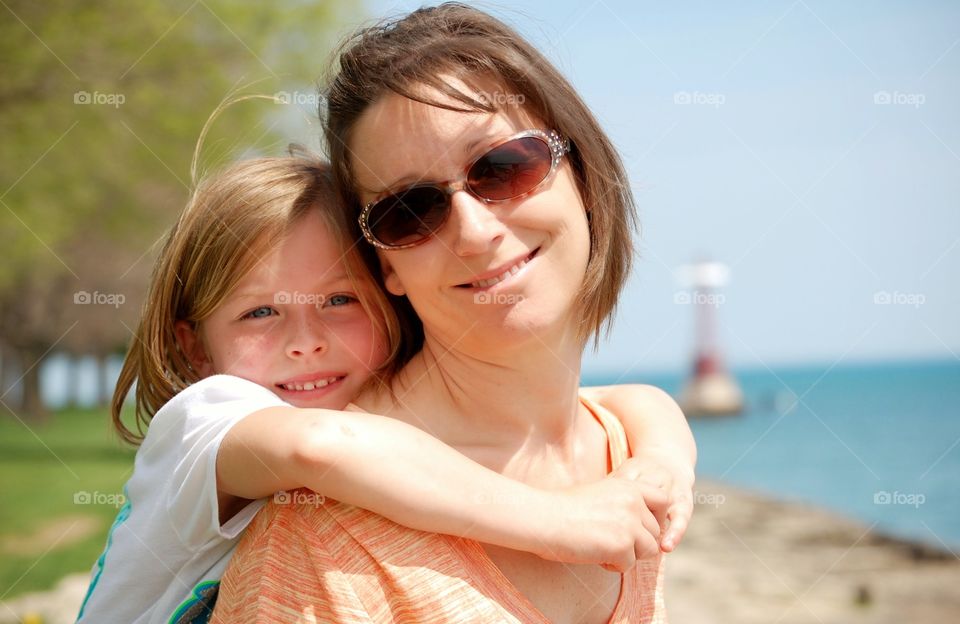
x,y
101,104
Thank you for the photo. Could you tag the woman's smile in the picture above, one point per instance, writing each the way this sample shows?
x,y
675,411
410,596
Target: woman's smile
x,y
501,274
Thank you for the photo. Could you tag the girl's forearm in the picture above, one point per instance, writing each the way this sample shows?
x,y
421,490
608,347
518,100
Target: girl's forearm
x,y
404,474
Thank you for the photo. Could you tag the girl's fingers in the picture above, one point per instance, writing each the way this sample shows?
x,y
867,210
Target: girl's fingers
x,y
679,515
647,547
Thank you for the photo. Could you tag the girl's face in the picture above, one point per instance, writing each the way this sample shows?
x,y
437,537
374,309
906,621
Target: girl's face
x,y
513,267
294,325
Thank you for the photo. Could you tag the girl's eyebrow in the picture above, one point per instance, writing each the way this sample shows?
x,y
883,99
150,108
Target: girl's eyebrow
x,y
272,294
254,295
339,277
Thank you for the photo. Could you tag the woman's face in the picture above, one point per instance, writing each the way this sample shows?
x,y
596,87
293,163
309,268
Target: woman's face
x,y
534,248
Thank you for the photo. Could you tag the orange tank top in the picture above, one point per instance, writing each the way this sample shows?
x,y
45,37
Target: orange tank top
x,y
315,560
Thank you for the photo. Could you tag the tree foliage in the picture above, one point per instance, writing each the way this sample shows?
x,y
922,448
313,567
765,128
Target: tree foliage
x,y
101,105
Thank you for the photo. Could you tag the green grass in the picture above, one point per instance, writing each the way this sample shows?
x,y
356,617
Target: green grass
x,y
43,467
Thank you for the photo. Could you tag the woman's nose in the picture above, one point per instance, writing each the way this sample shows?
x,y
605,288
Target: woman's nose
x,y
475,226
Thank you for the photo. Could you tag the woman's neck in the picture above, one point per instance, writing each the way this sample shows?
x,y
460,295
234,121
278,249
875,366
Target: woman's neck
x,y
489,396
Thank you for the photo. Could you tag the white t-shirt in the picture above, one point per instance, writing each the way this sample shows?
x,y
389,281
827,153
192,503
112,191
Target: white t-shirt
x,y
166,550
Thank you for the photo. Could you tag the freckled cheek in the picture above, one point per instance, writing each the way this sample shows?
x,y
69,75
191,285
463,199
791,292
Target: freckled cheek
x,y
360,339
248,355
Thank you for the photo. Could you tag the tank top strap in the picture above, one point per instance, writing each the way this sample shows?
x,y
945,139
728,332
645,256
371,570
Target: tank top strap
x,y
617,445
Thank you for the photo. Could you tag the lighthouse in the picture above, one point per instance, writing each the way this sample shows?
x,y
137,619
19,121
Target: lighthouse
x,y
710,390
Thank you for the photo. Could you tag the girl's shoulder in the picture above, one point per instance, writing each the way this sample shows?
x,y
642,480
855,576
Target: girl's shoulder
x,y
223,385
209,401
218,389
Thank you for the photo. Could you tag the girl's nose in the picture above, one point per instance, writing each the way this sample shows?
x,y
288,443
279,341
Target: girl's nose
x,y
309,336
298,351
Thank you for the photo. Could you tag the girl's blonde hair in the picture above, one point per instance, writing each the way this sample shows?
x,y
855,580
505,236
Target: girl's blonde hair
x,y
233,219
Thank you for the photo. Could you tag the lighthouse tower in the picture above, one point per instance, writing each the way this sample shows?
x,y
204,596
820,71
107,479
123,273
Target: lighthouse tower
x,y
710,389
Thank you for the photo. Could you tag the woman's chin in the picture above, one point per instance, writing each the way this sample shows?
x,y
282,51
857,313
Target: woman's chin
x,y
512,326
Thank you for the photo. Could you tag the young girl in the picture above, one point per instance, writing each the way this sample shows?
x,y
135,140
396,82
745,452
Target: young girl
x,y
259,323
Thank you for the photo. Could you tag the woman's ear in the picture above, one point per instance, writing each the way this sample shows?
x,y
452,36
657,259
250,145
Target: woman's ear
x,y
192,347
390,280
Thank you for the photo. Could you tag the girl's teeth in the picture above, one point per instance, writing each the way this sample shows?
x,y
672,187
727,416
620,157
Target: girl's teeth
x,y
310,385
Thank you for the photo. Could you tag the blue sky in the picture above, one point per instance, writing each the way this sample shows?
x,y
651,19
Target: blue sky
x,y
812,146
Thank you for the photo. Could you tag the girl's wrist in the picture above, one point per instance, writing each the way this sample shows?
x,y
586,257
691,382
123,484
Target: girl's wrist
x,y
519,521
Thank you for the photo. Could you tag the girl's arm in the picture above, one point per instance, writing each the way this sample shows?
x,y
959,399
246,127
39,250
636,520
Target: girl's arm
x,y
661,440
404,474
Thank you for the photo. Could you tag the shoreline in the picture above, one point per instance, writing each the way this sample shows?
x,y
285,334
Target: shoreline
x,y
746,558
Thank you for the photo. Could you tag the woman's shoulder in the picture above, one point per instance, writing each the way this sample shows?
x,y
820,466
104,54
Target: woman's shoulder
x,y
624,399
318,518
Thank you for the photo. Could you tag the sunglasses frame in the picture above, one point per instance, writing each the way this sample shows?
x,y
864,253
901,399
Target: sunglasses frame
x,y
558,145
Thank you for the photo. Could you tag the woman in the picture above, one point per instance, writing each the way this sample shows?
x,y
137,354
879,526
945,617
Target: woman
x,y
499,212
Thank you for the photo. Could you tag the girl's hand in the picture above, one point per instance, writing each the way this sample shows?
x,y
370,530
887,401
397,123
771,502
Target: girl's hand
x,y
667,470
664,451
613,522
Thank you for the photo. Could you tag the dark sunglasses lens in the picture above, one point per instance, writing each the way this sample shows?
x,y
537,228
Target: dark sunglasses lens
x,y
409,216
511,169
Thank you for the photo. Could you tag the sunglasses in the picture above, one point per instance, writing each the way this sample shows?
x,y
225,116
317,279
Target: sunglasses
x,y
513,168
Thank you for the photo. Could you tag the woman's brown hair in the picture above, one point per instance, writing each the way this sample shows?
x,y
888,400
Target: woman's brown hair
x,y
453,40
233,218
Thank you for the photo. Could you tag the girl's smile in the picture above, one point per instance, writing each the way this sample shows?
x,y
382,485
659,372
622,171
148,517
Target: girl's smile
x,y
295,324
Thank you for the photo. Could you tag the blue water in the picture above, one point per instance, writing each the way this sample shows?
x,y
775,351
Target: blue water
x,y
880,443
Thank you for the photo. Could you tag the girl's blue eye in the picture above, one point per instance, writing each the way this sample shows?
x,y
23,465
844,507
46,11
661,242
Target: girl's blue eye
x,y
261,312
340,300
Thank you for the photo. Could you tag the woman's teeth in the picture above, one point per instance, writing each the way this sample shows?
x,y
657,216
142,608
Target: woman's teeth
x,y
309,385
499,278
